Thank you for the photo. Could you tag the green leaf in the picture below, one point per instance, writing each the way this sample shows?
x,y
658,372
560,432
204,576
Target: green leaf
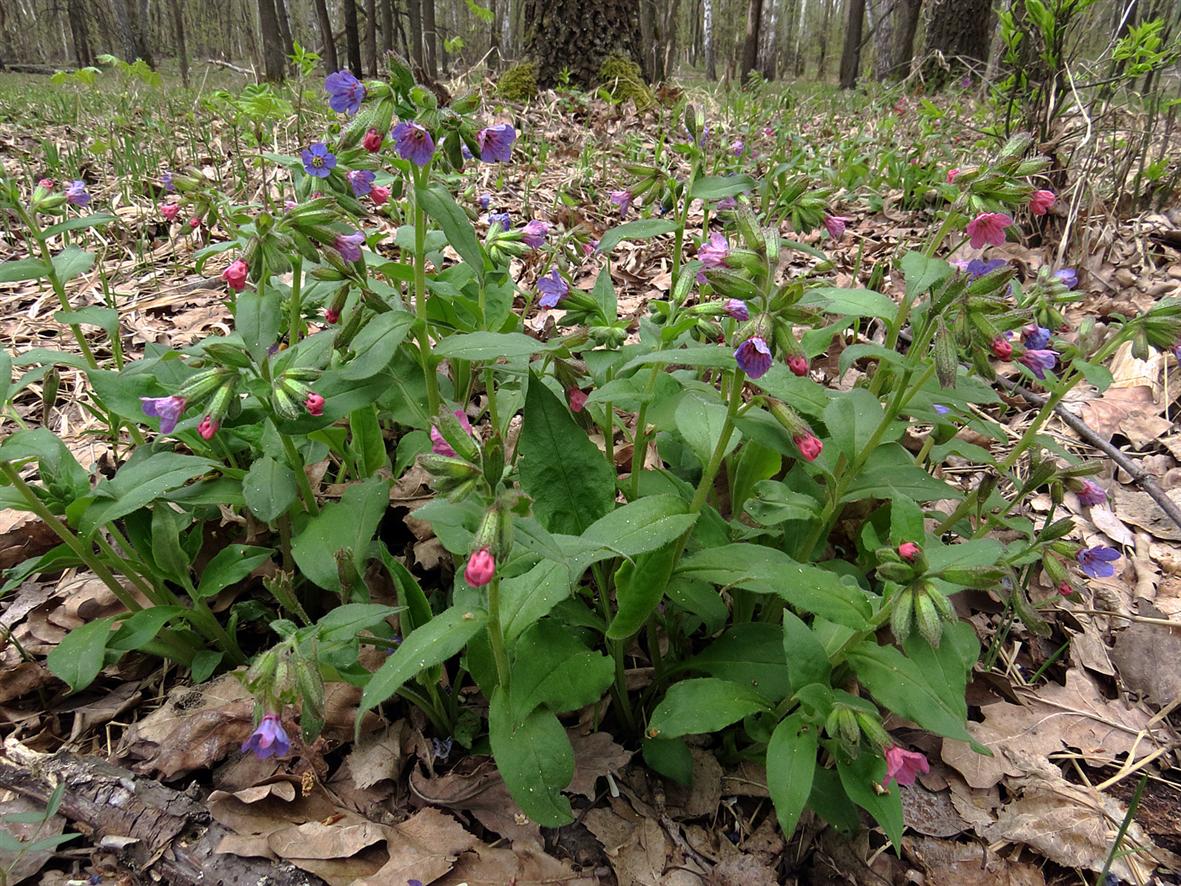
x,y
807,659
568,477
830,802
141,628
852,418
552,668
1099,376
890,472
346,524
367,442
715,187
232,564
106,319
698,356
965,555
860,779
704,704
269,488
342,623
774,502
22,269
376,343
639,588
524,599
5,377
791,763
922,272
749,654
142,479
641,526
670,758
701,422
72,262
204,664
850,302
95,220
431,644
257,319
635,230
78,658
901,685
439,205
488,346
535,760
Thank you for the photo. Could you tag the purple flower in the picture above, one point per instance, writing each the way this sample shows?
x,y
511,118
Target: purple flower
x,y
726,203
441,748
940,409
533,234
318,160
167,409
712,254
349,245
414,883
552,288
736,308
496,143
978,267
500,219
753,357
1035,337
835,225
269,739
413,143
737,147
485,201
362,182
1038,361
622,199
166,181
345,92
1068,277
988,227
1096,562
76,193
1091,493
465,152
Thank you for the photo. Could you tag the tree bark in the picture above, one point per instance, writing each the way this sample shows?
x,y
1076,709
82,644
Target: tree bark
x,y
415,9
130,32
851,54
387,25
578,35
825,27
430,46
893,37
494,35
328,51
273,62
707,39
352,39
80,30
908,27
285,35
750,46
371,37
178,31
958,30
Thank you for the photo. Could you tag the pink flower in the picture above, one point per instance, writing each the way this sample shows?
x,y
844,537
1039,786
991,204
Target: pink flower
x,y
1001,349
208,427
1041,201
1091,493
809,445
235,275
331,316
439,445
169,211
481,566
904,766
798,364
372,141
951,174
314,404
534,233
737,309
908,551
47,183
194,222
835,225
379,195
576,399
989,227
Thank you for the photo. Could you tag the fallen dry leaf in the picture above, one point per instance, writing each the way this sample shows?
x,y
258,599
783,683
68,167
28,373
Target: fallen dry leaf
x,y
965,864
525,864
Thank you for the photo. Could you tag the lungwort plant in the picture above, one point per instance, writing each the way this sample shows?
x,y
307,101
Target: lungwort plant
x,y
674,524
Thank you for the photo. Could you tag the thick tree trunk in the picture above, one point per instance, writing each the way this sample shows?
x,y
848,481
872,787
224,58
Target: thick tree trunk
x,y
707,39
750,46
851,54
352,39
80,30
285,35
647,39
579,35
668,37
907,28
825,27
415,8
895,24
178,32
387,25
130,32
371,37
494,34
328,50
430,39
958,30
273,62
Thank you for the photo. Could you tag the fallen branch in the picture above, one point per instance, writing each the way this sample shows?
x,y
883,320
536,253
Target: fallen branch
x,y
249,72
1080,427
149,825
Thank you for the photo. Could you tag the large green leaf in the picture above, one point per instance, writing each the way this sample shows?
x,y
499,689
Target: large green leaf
x,y
145,477
640,585
269,488
568,477
699,356
860,778
749,654
635,230
919,695
72,262
715,187
348,524
256,318
22,269
376,343
535,759
922,272
441,206
488,346
852,418
791,764
342,623
806,657
705,704
526,598
640,526
78,658
701,422
890,472
552,668
95,220
850,302
232,563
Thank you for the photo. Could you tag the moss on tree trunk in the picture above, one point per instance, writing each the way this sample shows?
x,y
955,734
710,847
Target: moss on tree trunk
x,y
577,35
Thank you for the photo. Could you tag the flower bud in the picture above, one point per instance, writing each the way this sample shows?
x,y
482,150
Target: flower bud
x,y
926,616
909,551
314,404
481,567
872,728
902,616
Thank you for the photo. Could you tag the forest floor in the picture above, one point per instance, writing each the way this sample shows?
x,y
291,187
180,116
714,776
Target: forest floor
x,y
1073,718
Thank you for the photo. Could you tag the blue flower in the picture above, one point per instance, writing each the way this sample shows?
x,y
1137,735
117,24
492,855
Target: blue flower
x,y
76,193
500,219
345,92
1035,337
361,181
413,143
1038,361
496,143
349,245
269,739
1068,277
1096,562
318,161
167,409
978,267
552,288
166,181
753,357
940,409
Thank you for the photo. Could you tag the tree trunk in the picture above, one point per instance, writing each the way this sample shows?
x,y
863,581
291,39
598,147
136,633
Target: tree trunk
x,y
707,39
851,54
766,60
895,24
80,30
800,55
750,46
371,37
328,51
668,37
647,39
494,35
284,20
579,35
130,33
430,42
178,31
273,62
958,30
416,33
882,18
352,39
387,25
907,28
825,27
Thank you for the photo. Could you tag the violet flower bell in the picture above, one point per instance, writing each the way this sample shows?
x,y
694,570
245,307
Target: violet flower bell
x,y
167,409
269,739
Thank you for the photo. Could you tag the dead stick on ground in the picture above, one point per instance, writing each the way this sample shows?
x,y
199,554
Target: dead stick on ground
x,y
1080,427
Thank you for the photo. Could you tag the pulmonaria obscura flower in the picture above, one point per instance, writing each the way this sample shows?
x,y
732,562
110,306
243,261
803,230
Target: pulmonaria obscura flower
x,y
1041,202
235,275
577,399
798,364
622,199
1038,361
1097,561
314,404
534,233
835,225
167,182
207,427
331,316
713,253
909,551
485,201
1091,493
170,211
481,566
413,143
318,161
379,195
737,147
345,92
978,267
439,445
269,739
349,245
904,766
809,445
1035,337
496,143
988,227
167,409
1068,277
951,174
361,181
753,357
552,288
501,219
737,309
76,193
372,141
1001,349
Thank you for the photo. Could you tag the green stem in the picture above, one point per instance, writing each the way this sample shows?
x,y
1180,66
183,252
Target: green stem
x,y
295,309
206,622
58,288
422,331
301,475
496,634
640,437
